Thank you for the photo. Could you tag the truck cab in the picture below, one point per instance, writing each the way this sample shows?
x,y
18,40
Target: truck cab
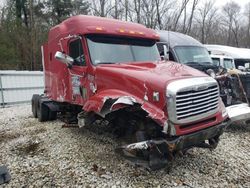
x,y
185,50
109,70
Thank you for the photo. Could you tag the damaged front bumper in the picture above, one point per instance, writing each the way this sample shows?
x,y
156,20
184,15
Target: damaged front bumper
x,y
154,154
198,139
238,112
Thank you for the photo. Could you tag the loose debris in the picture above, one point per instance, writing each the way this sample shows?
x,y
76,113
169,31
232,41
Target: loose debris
x,y
46,155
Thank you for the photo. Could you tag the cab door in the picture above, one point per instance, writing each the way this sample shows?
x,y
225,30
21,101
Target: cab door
x,y
78,72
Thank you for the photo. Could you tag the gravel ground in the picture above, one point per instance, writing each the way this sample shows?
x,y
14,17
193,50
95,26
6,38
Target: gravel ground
x,y
45,154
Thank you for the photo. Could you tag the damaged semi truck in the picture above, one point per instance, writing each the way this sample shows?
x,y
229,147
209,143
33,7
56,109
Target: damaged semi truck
x,y
104,69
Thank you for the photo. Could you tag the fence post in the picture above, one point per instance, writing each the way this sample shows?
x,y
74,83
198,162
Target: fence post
x,y
1,89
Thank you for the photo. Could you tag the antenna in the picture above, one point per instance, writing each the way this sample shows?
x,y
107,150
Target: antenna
x,y
168,42
168,39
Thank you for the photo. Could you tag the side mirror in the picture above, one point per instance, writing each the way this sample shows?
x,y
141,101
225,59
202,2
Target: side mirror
x,y
166,52
241,68
64,58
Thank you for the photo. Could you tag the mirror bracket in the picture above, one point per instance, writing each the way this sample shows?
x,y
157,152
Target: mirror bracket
x,y
166,52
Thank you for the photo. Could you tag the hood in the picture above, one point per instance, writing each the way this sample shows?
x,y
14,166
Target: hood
x,y
160,72
142,79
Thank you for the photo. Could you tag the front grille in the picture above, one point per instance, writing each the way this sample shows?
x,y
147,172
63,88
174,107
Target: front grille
x,y
192,103
192,99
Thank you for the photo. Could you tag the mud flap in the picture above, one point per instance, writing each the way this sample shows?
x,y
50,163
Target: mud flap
x,y
239,112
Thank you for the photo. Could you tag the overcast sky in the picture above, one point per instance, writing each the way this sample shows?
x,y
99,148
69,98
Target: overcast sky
x,y
218,3
2,2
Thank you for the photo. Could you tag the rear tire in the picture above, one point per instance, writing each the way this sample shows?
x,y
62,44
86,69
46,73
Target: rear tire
x,y
42,112
34,104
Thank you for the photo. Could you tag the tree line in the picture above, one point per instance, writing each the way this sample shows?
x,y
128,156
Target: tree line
x,y
24,24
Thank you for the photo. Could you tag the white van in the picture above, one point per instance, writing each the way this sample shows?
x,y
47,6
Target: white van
x,y
226,62
241,56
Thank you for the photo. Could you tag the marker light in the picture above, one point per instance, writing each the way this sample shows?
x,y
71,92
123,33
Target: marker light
x,y
121,30
156,35
99,28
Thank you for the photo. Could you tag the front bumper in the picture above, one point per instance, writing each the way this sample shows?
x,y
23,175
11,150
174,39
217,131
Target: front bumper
x,y
154,154
180,143
196,139
238,112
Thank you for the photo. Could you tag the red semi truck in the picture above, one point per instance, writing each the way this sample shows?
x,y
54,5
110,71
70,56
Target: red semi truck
x,y
104,69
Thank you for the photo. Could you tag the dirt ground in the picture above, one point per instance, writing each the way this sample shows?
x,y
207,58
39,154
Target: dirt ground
x,y
45,154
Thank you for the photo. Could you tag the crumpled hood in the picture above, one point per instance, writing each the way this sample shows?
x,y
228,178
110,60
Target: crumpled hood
x,y
142,79
156,73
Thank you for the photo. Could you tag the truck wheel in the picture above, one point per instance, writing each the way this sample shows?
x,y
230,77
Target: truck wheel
x,y
42,112
34,104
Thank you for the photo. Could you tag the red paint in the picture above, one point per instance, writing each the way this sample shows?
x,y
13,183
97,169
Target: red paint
x,y
114,80
198,126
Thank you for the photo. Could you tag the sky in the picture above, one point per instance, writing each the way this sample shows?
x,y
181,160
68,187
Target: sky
x,y
2,2
218,3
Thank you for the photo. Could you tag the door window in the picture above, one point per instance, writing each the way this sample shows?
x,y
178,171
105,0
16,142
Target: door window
x,y
228,64
76,52
216,61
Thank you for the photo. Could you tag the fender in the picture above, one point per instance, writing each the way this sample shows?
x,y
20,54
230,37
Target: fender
x,y
107,101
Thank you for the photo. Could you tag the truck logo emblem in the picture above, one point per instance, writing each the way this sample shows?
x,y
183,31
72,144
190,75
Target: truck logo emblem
x,y
199,88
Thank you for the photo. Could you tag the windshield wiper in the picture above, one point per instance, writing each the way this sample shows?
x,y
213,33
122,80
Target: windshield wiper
x,y
200,63
207,63
192,63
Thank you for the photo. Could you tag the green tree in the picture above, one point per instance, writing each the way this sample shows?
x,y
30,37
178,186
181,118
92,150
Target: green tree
x,y
24,27
59,10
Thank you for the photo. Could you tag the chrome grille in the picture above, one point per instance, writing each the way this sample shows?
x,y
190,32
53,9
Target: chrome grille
x,y
192,99
191,103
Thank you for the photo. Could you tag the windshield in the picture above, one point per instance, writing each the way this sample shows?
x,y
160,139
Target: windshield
x,y
228,64
106,50
190,54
